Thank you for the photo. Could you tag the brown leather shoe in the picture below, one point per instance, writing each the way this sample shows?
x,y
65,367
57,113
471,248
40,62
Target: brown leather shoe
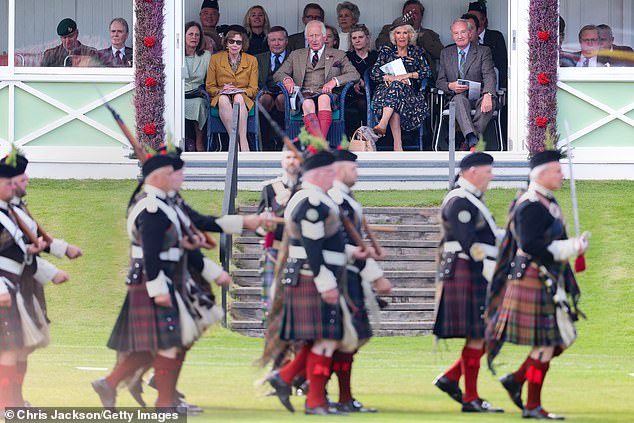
x,y
379,131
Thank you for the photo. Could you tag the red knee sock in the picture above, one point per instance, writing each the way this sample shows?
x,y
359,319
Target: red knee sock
x,y
128,367
166,373
455,371
20,372
342,366
520,374
310,120
295,367
325,120
470,368
7,378
535,376
318,372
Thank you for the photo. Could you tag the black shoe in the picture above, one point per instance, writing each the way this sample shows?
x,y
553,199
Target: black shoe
x,y
450,387
514,389
136,390
354,406
480,406
107,394
282,390
151,382
324,411
189,409
540,414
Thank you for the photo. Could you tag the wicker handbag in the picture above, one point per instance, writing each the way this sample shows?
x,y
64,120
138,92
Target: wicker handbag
x,y
363,139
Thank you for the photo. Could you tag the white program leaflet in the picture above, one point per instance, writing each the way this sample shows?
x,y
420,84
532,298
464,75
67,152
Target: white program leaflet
x,y
474,89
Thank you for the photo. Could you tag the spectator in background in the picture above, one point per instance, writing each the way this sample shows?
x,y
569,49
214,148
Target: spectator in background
x,y
209,16
347,15
332,37
567,59
257,24
589,42
118,54
272,98
426,38
611,54
362,58
474,29
232,77
196,64
62,55
398,100
493,39
312,12
473,62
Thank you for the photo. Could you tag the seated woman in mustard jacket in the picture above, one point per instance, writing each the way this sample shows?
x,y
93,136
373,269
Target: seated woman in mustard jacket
x,y
232,77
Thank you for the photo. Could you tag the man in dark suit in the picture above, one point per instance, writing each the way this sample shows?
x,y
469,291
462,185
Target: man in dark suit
x,y
312,12
118,55
427,39
611,54
272,98
588,56
317,70
472,62
492,38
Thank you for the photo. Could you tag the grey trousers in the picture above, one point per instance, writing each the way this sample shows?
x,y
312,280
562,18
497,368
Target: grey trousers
x,y
468,124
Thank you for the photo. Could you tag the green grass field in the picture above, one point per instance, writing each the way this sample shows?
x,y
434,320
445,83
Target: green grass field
x,y
590,383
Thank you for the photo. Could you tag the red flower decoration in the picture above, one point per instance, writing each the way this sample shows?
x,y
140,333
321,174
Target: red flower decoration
x,y
148,156
311,149
148,1
542,35
543,78
163,153
149,41
149,129
541,121
150,82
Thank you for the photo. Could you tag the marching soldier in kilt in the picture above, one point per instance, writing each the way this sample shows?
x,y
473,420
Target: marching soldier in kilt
x,y
360,274
313,311
37,272
274,197
152,323
528,302
468,259
17,329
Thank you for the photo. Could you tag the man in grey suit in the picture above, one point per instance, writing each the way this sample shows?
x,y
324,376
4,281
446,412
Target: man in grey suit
x,y
272,98
473,62
317,70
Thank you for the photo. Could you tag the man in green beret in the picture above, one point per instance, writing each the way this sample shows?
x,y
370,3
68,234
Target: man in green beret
x,y
60,56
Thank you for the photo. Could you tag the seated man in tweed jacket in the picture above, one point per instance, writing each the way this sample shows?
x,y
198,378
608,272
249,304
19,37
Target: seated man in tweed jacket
x,y
317,70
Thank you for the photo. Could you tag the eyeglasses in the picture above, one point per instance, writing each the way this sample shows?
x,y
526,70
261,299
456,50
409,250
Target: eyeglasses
x,y
237,42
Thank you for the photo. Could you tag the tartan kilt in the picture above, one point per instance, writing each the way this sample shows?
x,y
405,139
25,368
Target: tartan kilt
x,y
267,273
460,309
306,317
526,315
31,291
10,323
141,324
360,319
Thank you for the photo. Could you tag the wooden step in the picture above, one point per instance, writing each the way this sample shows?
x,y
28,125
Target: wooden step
x,y
426,261
399,278
252,311
398,295
412,328
253,245
397,232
